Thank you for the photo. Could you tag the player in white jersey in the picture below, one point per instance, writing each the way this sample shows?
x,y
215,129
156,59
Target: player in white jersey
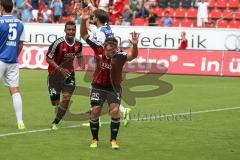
x,y
11,43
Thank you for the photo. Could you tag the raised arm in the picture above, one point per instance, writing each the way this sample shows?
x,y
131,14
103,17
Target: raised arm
x,y
90,5
134,42
83,26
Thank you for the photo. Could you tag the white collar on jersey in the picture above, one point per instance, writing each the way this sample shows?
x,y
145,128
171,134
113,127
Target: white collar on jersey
x,y
7,15
68,43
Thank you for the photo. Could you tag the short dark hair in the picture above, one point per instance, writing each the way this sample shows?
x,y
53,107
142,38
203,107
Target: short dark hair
x,y
101,15
70,23
7,5
111,40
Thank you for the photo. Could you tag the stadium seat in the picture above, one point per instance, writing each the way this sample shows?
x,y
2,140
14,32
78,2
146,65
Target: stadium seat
x,y
234,24
180,12
138,22
186,23
234,4
194,23
160,22
222,24
237,16
158,12
212,3
175,22
192,13
221,4
187,3
216,14
171,11
174,3
228,14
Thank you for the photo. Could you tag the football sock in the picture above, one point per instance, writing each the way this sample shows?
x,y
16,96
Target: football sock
x,y
115,124
60,113
17,104
94,126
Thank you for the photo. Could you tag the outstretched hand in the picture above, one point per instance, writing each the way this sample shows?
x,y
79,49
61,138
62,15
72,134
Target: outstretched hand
x,y
135,37
85,13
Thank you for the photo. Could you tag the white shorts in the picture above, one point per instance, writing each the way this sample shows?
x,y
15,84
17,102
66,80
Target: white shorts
x,y
200,21
9,74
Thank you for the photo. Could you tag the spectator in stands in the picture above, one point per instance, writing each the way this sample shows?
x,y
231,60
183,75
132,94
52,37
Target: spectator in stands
x,y
133,5
187,3
202,15
46,1
174,3
16,12
71,7
141,11
163,3
26,15
35,5
46,14
211,24
184,41
65,7
153,18
120,21
127,15
57,6
103,4
19,3
149,3
111,15
118,7
167,20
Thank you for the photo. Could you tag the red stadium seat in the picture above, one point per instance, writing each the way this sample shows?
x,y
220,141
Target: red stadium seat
x,y
192,13
228,14
221,4
194,23
171,11
158,12
234,4
175,22
211,4
138,22
216,14
234,24
186,23
222,24
180,12
237,16
160,22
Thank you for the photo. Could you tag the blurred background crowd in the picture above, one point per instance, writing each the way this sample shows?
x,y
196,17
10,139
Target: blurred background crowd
x,y
176,13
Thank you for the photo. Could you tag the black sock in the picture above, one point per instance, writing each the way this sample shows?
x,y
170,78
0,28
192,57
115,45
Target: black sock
x,y
115,124
60,113
94,126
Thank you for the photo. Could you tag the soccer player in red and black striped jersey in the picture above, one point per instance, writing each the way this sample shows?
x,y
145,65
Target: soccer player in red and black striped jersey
x,y
61,78
107,77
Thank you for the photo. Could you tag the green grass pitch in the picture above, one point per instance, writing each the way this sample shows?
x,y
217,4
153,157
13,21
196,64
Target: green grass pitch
x,y
206,133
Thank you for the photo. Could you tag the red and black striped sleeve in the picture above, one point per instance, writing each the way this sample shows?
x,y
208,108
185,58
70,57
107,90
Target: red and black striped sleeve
x,y
95,45
53,49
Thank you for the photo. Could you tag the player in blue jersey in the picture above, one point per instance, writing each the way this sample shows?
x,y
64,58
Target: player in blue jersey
x,y
11,43
103,31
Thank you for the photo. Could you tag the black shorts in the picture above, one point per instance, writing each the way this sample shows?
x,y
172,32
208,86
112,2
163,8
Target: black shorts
x,y
99,94
58,84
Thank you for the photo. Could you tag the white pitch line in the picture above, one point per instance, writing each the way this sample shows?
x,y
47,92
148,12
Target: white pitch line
x,y
76,126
